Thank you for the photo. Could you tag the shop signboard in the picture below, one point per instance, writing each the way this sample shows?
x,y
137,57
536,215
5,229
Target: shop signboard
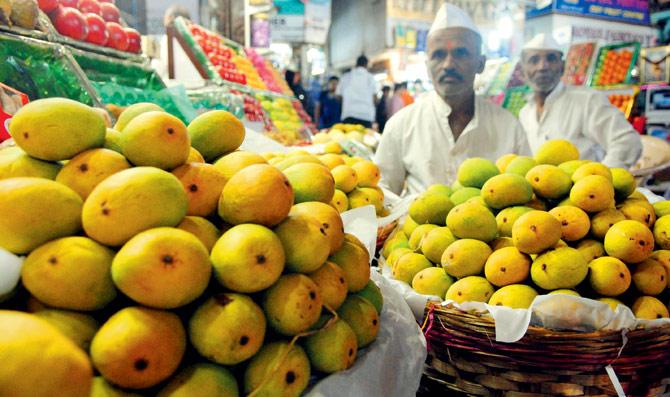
x,y
288,24
628,11
317,21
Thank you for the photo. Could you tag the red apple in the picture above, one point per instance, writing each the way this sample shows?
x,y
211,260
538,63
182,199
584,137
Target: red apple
x,y
109,12
89,6
117,36
97,29
134,41
47,5
69,3
71,23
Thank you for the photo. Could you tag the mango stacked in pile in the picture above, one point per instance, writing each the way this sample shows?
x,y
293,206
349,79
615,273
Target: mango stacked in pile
x,y
344,181
506,232
163,274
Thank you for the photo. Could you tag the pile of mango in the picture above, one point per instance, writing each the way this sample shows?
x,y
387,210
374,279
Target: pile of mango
x,y
507,231
344,181
150,271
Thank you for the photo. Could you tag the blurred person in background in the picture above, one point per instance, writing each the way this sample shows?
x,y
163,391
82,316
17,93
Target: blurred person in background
x,y
383,107
398,100
358,90
581,115
294,81
328,107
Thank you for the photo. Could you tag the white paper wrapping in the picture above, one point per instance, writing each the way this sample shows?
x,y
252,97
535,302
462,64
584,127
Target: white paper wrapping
x,y
392,365
558,311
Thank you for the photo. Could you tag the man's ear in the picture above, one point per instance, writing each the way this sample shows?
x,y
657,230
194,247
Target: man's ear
x,y
482,63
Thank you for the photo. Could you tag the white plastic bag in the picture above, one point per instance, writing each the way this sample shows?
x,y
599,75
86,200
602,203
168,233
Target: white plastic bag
x,y
392,365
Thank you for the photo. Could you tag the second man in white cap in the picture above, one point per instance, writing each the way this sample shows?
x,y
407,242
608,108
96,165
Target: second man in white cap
x,y
579,114
425,142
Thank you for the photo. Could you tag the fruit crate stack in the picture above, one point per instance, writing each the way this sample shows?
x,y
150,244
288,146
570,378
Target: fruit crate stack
x,y
554,232
224,61
516,98
614,64
268,73
577,63
92,25
168,261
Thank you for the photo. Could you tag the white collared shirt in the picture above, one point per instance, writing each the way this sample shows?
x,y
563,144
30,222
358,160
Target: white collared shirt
x,y
418,144
585,117
357,89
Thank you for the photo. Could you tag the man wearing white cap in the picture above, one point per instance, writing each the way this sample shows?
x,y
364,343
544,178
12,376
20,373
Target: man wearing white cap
x,y
425,142
581,115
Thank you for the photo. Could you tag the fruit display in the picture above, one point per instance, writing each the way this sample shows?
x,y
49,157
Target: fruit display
x,y
623,102
501,78
515,99
504,233
577,63
252,78
253,110
306,119
160,260
218,53
615,63
284,116
355,179
92,21
338,133
230,62
268,73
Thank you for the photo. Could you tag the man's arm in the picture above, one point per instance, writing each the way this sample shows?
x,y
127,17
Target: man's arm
x,y
389,157
608,126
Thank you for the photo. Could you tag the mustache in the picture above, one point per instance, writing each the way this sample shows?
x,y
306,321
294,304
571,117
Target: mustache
x,y
449,73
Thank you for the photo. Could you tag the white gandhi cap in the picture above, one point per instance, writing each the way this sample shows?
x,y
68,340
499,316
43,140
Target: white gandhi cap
x,y
542,41
450,16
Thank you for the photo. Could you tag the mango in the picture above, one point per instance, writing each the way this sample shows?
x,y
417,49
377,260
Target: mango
x,y
55,129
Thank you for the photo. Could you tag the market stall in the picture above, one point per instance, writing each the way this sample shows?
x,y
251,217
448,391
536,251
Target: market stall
x,y
188,304
533,286
245,73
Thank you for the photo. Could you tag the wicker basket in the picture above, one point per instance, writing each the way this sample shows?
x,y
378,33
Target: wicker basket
x,y
464,357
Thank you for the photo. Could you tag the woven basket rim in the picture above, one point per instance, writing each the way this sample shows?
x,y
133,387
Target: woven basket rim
x,y
484,319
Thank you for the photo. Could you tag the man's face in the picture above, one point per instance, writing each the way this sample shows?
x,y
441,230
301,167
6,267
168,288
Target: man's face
x,y
542,69
454,58
332,85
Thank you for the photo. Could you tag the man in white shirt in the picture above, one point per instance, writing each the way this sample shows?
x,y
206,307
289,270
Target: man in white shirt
x,y
581,115
425,143
358,90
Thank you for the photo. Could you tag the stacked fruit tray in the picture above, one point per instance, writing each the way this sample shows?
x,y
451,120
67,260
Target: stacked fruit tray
x,y
515,99
506,233
501,78
623,102
577,63
268,73
169,262
614,64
